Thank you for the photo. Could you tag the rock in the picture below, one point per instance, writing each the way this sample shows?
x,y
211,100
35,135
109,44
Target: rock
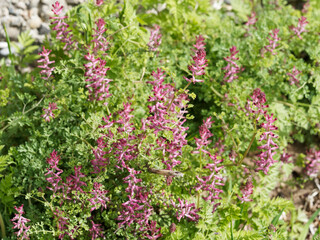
x,y
21,5
4,12
16,21
34,3
33,12
13,33
45,12
34,22
74,2
3,44
44,29
12,11
4,52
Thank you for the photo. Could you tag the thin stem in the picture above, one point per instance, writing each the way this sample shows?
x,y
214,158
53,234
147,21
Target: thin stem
x,y
200,157
3,230
175,95
216,92
246,153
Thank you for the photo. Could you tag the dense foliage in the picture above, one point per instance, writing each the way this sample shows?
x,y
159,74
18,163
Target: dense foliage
x,y
160,120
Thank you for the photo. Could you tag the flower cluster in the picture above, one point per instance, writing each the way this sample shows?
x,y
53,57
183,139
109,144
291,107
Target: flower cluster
x,y
232,69
293,76
265,158
312,162
247,191
155,38
95,69
54,172
255,105
199,60
273,42
95,73
285,157
209,183
301,27
61,27
19,223
167,116
99,2
251,22
48,111
46,70
186,210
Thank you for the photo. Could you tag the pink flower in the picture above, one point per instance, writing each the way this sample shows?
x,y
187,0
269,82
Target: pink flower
x,y
293,76
55,172
312,162
252,19
204,134
247,191
48,111
232,69
100,42
266,157
273,39
19,223
47,71
152,228
255,104
155,38
61,27
199,60
98,84
301,27
96,231
99,2
186,210
99,198
284,157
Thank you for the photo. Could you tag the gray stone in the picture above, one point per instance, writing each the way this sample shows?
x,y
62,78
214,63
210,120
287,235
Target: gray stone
x,y
34,3
74,2
33,12
12,11
4,12
21,5
44,29
3,44
4,52
34,22
16,21
45,12
13,33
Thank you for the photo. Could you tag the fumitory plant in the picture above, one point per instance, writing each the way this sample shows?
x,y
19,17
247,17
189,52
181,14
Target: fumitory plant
x,y
160,120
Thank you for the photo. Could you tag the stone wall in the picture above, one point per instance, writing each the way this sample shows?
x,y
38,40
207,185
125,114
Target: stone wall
x,y
32,15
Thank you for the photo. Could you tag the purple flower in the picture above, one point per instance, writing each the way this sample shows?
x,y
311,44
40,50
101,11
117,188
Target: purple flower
x,y
99,41
99,198
54,172
186,210
247,191
284,157
252,19
256,103
19,223
199,60
204,134
266,157
47,71
62,223
232,69
99,2
273,39
73,182
301,27
48,111
312,162
155,38
95,73
61,27
96,231
293,76
152,228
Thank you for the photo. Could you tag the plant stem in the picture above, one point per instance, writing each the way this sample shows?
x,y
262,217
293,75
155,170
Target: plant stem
x,y
175,95
198,197
3,230
216,92
246,153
